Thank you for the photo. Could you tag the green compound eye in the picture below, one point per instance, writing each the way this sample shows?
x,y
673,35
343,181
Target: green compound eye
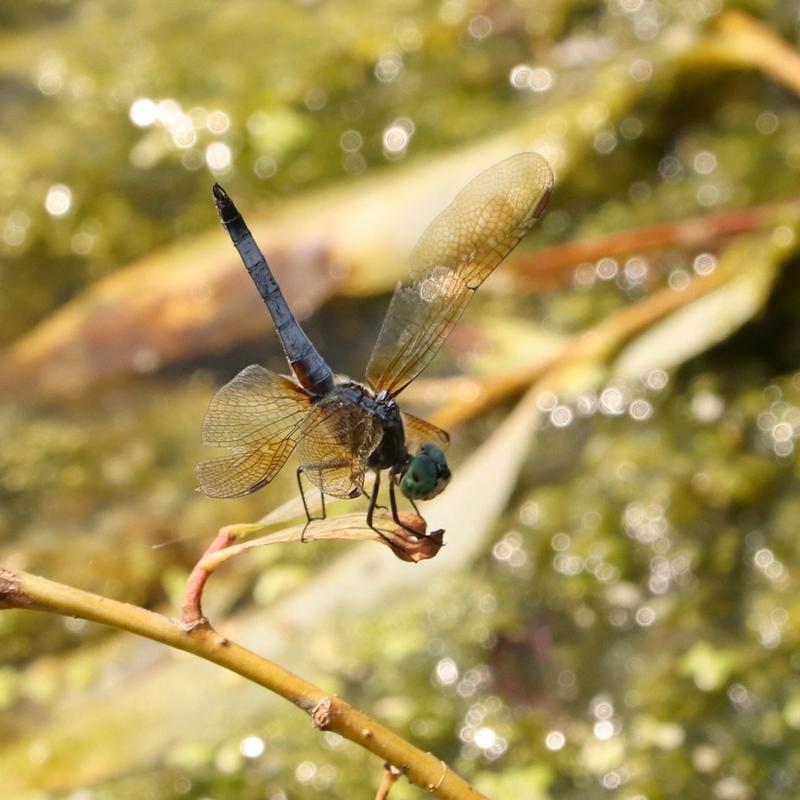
x,y
426,475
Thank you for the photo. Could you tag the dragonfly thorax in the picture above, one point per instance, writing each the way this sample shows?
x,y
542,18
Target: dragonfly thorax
x,y
391,450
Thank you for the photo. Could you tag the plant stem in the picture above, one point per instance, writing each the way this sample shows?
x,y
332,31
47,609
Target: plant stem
x,y
193,594
390,775
23,590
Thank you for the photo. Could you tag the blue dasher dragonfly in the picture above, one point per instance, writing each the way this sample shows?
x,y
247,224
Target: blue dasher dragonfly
x,y
341,428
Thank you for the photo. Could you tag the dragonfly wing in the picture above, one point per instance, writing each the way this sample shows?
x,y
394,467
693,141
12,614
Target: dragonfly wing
x,y
257,416
337,437
419,431
457,252
245,471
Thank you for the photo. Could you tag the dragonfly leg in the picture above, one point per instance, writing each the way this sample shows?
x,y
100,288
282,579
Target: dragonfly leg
x,y
373,504
366,494
373,499
393,503
309,518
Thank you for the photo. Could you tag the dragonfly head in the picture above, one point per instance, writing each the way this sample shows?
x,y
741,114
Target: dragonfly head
x,y
426,473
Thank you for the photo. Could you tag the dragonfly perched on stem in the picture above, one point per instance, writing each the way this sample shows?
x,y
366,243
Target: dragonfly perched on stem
x,y
341,428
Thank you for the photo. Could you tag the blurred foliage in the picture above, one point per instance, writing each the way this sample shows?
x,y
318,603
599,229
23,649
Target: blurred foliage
x,y
631,629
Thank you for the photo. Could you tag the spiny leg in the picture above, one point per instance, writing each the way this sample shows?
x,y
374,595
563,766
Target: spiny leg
x,y
320,470
309,518
373,500
373,504
368,495
393,503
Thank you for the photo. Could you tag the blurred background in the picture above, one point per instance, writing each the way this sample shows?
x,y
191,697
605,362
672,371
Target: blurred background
x,y
616,611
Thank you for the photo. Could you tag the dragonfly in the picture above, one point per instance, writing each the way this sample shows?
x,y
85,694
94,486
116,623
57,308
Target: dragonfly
x,y
343,429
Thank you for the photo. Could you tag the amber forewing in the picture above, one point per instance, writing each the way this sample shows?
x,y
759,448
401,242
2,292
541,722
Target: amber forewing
x,y
457,252
256,415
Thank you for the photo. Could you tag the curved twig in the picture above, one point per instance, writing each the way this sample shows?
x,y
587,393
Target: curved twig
x,y
25,591
347,527
390,776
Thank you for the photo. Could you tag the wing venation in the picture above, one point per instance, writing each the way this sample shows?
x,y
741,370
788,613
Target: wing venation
x,y
457,252
336,439
257,416
420,431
